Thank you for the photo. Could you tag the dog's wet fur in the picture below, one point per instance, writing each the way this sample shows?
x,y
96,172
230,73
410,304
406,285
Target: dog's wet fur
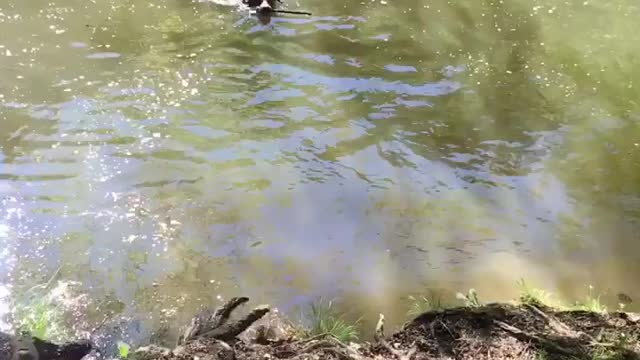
x,y
23,346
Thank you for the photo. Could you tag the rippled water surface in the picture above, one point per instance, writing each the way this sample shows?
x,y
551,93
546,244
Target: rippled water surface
x,y
168,154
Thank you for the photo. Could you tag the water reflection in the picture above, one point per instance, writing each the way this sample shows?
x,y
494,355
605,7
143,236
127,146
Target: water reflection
x,y
172,154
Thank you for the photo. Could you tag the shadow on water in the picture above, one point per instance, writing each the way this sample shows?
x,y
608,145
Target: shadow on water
x,y
179,153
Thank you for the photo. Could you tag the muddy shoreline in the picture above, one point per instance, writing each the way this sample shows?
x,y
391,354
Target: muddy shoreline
x,y
239,330
492,331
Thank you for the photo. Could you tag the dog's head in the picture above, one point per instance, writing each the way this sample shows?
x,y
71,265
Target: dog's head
x,y
264,8
265,5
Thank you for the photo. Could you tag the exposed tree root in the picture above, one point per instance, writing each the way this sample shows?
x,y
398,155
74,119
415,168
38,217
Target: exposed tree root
x,y
228,331
206,320
213,327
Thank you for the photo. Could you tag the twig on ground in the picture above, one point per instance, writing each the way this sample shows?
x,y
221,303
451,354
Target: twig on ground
x,y
446,328
524,336
401,355
316,345
557,325
346,347
344,356
288,348
379,337
331,344
379,333
560,327
315,337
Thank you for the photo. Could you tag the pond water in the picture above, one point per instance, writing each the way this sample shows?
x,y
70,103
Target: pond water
x,y
168,154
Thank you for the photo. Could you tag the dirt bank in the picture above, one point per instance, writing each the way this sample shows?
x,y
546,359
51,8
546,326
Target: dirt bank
x,y
496,331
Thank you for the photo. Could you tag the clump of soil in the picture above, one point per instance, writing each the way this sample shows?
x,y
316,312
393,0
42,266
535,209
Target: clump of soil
x,y
500,331
496,331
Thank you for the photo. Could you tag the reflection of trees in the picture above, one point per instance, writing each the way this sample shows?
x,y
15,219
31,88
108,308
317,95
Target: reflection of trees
x,y
514,86
599,158
603,168
501,106
494,41
507,95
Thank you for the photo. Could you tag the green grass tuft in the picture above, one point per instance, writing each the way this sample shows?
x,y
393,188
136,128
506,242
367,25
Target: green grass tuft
x,y
533,296
123,349
40,317
470,299
36,312
422,304
324,319
591,303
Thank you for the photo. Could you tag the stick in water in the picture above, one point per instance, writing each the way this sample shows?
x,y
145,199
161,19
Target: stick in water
x,y
292,12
